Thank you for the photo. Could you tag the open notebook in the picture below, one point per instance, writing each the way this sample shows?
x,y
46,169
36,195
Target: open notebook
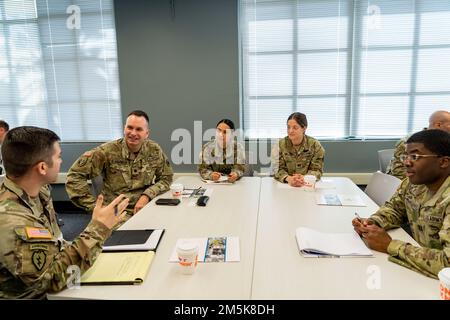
x,y
119,268
313,243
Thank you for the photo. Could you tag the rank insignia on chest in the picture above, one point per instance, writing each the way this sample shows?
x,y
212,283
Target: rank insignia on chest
x,y
37,233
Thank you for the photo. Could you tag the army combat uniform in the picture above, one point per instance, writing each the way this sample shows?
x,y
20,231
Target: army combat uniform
x,y
226,160
307,159
149,173
34,258
429,217
396,166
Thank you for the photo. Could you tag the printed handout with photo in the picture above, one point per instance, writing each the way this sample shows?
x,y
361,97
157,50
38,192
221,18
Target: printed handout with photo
x,y
215,249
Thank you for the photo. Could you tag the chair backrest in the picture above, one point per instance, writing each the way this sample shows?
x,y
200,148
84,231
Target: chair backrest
x,y
97,185
248,164
384,157
382,187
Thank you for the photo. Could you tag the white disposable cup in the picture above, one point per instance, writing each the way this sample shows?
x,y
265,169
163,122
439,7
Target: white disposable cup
x,y
444,283
187,252
310,182
177,190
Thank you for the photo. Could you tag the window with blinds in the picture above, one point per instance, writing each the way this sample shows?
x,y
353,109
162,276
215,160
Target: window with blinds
x,y
357,69
58,67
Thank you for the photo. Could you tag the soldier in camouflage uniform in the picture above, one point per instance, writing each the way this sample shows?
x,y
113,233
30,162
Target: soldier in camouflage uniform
x,y
297,154
396,167
438,120
220,156
423,199
34,258
133,166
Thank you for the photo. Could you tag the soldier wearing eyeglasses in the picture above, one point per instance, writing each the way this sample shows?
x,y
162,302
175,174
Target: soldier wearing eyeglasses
x,y
423,199
438,120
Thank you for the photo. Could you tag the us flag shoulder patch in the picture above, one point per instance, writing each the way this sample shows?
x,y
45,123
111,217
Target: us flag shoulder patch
x,y
37,233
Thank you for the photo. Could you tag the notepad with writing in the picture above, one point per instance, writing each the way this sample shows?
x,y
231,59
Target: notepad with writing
x,y
313,243
123,268
133,240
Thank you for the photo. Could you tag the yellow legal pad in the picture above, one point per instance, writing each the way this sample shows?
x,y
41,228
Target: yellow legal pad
x,y
119,268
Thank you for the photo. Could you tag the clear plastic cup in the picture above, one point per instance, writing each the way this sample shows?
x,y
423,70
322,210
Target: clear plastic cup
x,y
187,252
310,182
444,283
177,190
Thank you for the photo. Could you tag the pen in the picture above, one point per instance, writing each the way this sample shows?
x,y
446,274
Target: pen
x,y
358,217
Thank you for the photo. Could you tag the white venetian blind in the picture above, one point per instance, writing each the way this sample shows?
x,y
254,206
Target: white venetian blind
x,y
357,69
58,67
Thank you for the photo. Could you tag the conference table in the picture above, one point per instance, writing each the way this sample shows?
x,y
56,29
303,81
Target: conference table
x,y
231,211
264,214
281,272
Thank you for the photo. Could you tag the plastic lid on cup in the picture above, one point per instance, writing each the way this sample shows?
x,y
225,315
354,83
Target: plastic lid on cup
x,y
444,275
187,246
309,177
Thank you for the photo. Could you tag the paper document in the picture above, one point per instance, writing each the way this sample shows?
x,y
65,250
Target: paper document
x,y
119,268
196,193
334,199
222,180
313,243
325,184
321,184
133,240
213,249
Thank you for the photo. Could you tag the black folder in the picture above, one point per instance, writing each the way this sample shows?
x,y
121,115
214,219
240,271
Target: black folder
x,y
133,240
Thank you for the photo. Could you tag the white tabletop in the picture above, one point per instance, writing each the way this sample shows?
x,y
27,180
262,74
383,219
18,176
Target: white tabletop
x,y
282,273
231,211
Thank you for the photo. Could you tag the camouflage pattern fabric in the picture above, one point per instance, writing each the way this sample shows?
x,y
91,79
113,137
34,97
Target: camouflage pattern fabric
x,y
33,255
307,159
396,167
149,173
429,217
226,160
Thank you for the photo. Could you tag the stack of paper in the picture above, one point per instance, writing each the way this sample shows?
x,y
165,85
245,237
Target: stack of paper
x,y
312,243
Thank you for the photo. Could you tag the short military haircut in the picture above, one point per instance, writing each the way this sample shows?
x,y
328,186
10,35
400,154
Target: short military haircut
x,y
300,118
23,147
139,113
228,122
4,125
435,140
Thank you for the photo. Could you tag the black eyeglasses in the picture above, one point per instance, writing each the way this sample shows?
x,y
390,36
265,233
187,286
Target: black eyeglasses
x,y
415,157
